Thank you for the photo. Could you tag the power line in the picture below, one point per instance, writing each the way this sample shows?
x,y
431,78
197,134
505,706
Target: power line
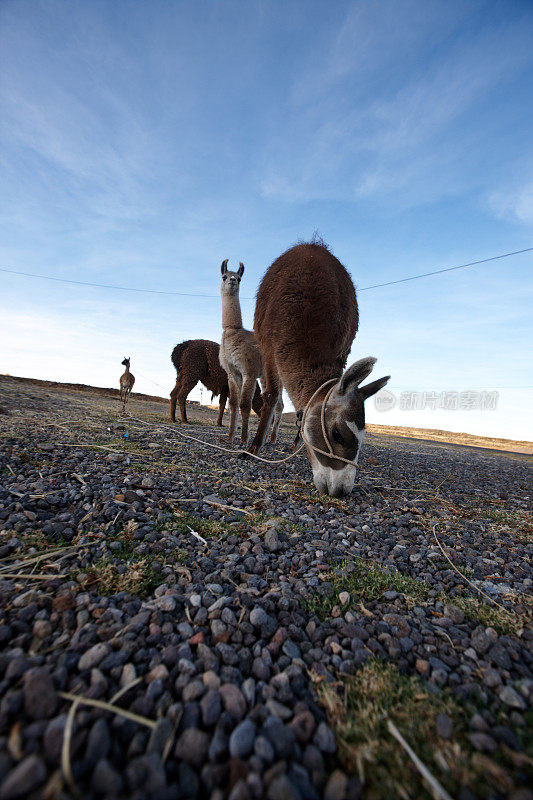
x,y
186,294
446,269
105,285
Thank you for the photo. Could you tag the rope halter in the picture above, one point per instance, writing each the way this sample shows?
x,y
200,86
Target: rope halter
x,y
329,453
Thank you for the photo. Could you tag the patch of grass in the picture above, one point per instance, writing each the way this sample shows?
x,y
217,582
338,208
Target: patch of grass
x,y
366,747
36,540
139,579
490,616
364,580
293,527
181,555
208,528
519,521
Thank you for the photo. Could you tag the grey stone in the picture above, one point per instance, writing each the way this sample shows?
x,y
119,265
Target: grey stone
x,y
280,736
271,540
40,697
92,657
258,616
146,772
480,641
264,749
192,746
241,741
105,780
482,741
444,726
53,738
511,698
336,786
491,678
498,655
291,649
456,614
210,706
23,779
160,736
324,739
233,700
281,788
99,742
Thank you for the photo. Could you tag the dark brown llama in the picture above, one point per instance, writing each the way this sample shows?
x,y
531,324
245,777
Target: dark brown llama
x,y
306,318
198,360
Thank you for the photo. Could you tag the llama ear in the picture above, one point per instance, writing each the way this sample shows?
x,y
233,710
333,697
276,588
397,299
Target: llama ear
x,y
224,266
240,271
371,388
356,374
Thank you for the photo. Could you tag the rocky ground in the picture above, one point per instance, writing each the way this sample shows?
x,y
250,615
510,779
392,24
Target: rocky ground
x,y
178,622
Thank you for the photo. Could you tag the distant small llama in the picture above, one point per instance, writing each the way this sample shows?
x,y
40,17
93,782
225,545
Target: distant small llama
x,y
126,382
197,360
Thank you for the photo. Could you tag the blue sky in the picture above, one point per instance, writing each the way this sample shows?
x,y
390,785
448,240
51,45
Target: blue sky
x,y
142,143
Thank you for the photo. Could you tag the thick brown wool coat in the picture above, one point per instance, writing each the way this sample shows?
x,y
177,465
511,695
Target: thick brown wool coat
x,y
306,318
197,360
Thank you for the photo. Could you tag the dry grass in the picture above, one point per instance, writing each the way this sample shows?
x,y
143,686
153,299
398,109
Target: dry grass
x,y
359,711
519,522
139,579
367,581
364,580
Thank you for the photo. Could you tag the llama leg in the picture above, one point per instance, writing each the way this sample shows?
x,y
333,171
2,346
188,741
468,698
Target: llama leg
x,y
234,393
173,402
248,389
257,401
221,406
270,398
278,411
187,385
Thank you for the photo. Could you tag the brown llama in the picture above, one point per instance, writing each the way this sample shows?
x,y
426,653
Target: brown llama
x,y
239,356
197,360
126,382
306,318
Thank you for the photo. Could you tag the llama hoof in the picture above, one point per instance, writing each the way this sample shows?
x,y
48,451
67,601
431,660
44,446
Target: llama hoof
x,y
244,455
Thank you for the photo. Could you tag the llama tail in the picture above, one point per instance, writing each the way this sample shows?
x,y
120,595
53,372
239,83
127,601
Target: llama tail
x,y
177,353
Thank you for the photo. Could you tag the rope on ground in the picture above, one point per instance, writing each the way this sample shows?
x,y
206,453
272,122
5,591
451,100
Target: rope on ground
x,y
447,557
436,789
329,453
210,444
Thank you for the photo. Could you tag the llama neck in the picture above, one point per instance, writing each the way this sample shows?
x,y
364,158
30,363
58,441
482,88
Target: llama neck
x,y
127,371
310,382
231,311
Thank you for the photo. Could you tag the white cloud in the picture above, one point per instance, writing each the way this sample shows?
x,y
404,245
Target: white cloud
x,y
515,203
370,123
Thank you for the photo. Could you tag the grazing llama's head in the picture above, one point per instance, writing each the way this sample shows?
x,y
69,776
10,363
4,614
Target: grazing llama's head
x,y
344,422
126,362
230,280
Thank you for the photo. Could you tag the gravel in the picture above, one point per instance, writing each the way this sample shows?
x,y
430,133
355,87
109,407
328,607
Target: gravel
x,y
215,645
